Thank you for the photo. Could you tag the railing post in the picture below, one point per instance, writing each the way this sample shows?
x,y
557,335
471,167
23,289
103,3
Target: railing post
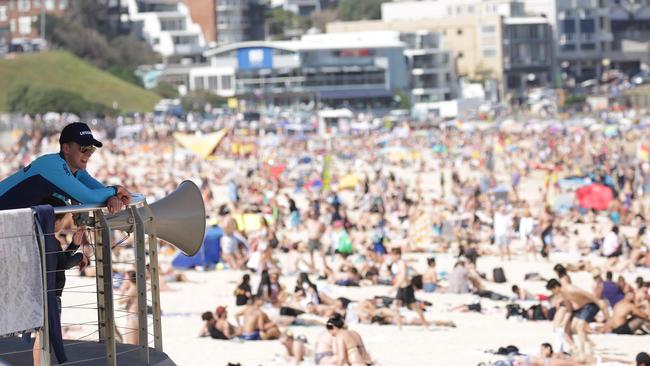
x,y
104,279
44,334
141,283
155,278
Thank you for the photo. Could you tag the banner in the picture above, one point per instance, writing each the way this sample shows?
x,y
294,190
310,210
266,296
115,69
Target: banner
x,y
21,301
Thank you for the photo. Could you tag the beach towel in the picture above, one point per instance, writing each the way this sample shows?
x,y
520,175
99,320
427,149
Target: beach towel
x,y
20,273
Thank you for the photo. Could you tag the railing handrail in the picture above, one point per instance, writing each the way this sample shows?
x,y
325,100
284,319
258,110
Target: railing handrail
x,y
135,200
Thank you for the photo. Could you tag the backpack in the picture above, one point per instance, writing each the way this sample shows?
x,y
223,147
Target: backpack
x,y
498,275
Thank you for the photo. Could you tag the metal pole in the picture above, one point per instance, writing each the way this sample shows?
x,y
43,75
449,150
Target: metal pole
x,y
44,333
104,278
155,278
43,21
141,283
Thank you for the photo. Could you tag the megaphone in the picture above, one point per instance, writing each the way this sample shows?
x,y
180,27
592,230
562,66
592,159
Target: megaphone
x,y
179,218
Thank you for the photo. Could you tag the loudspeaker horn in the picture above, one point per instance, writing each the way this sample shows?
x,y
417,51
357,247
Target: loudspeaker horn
x,y
179,218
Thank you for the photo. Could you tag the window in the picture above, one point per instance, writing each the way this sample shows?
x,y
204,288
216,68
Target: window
x,y
588,46
36,3
3,13
568,47
212,82
198,83
11,5
460,55
49,4
226,82
23,5
25,25
12,25
567,26
489,52
488,29
470,9
63,4
459,32
587,26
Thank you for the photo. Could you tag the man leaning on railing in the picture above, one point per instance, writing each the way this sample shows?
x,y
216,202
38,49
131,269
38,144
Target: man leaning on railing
x,y
63,174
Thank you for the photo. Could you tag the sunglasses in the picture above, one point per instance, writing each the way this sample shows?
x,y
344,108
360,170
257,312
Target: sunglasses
x,y
87,149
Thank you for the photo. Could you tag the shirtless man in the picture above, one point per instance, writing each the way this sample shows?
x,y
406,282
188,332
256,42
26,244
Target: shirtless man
x,y
405,290
349,345
585,306
626,318
324,350
257,325
315,230
430,276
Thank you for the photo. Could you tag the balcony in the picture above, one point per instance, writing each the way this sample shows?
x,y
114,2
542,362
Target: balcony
x,y
187,49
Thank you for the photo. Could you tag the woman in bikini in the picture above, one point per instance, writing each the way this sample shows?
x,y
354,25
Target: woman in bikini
x,y
348,344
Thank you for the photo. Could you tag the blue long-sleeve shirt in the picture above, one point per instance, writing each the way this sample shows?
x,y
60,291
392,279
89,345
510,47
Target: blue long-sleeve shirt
x,y
47,175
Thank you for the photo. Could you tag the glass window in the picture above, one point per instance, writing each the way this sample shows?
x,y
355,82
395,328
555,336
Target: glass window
x,y
49,4
568,47
488,29
25,25
63,4
36,3
588,46
567,26
212,82
3,13
12,25
198,83
587,26
226,82
489,52
23,5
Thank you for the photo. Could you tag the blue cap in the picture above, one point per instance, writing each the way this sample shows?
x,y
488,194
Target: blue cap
x,y
80,133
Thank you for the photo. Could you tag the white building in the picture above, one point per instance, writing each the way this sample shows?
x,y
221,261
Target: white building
x,y
168,27
436,9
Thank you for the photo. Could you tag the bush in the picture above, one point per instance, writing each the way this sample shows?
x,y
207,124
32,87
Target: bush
x,y
34,99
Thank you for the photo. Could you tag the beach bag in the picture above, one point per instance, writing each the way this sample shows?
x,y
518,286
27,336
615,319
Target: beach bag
x,y
498,275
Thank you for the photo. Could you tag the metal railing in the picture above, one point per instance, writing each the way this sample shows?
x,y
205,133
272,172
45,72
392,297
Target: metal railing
x,y
139,224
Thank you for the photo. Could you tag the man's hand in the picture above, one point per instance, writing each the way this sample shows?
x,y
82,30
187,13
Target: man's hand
x,y
114,204
123,195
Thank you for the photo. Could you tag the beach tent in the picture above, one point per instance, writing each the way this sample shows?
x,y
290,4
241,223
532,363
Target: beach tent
x,y
349,181
201,145
207,256
595,196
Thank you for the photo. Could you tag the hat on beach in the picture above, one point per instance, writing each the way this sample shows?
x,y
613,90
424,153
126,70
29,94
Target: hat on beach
x,y
80,133
220,310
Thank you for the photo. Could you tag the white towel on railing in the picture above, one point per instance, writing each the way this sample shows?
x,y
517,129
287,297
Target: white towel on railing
x,y
21,287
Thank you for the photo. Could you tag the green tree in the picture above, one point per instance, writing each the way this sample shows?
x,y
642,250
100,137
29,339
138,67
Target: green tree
x,y
197,100
34,99
360,9
282,23
166,90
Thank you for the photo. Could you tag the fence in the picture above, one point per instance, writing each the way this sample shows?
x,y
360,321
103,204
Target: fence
x,y
93,316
